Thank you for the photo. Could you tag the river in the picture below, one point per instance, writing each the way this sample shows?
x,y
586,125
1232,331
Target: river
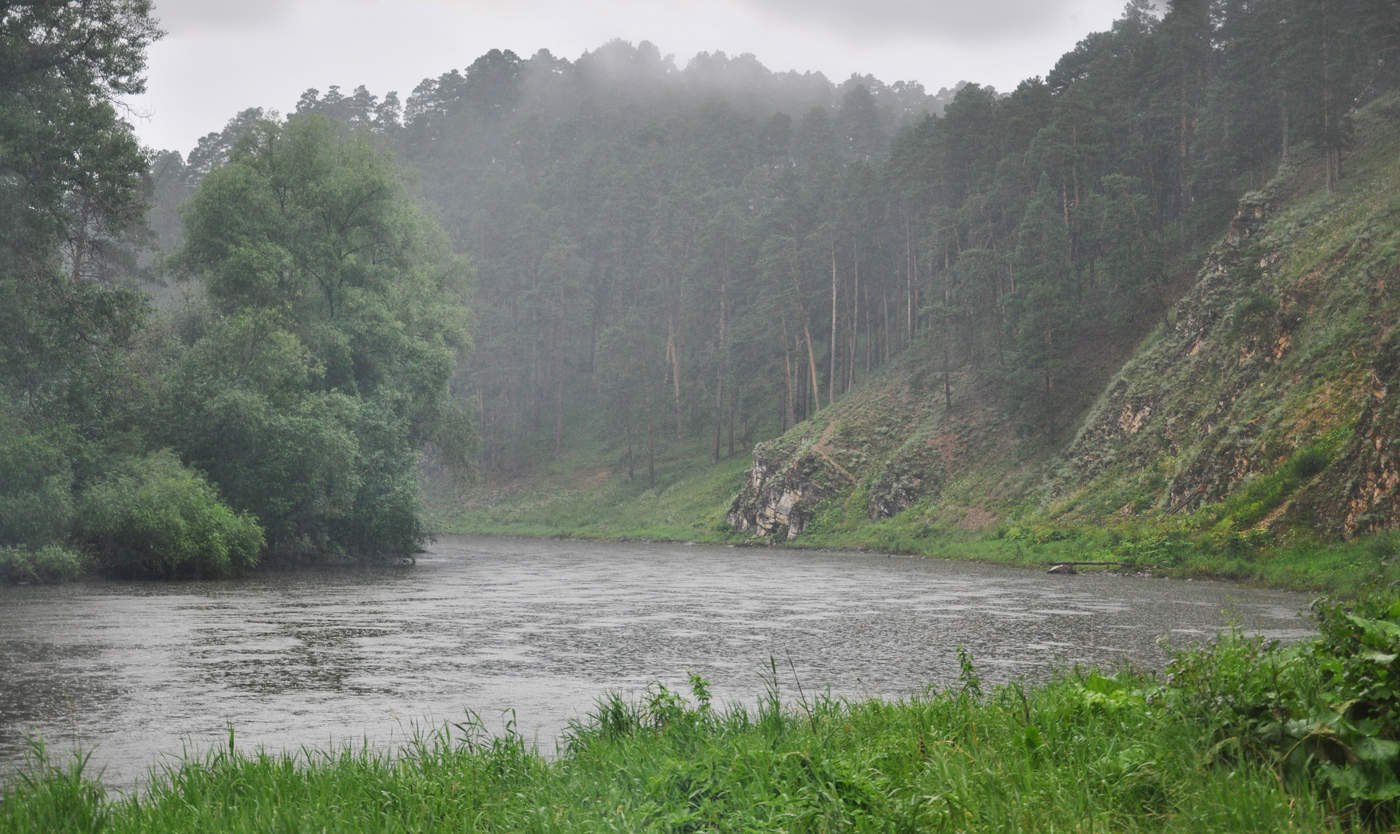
x,y
136,672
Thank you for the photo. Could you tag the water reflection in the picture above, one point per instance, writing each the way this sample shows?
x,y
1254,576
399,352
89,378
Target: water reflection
x,y
138,670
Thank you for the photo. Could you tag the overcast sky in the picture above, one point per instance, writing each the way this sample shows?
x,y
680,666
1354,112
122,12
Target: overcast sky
x,y
221,56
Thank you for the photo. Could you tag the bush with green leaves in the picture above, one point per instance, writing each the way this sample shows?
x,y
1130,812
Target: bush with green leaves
x,y
1326,713
155,517
36,499
46,565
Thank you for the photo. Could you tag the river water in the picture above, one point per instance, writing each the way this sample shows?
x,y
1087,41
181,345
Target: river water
x,y
137,672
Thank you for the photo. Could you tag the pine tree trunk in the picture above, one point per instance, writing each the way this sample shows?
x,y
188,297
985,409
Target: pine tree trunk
x,y
869,332
832,352
558,390
733,413
723,358
627,428
908,285
885,336
673,356
812,366
651,442
789,413
855,317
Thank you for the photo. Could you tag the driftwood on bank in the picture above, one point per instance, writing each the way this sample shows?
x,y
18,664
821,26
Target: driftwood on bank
x,y
1070,567
1079,564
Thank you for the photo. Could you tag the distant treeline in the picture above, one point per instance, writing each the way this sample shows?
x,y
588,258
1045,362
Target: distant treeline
x,y
720,250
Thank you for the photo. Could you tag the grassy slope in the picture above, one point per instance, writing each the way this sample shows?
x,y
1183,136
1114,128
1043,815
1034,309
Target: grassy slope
x,y
1195,460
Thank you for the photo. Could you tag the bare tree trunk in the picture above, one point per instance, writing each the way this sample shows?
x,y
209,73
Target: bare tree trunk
x,y
947,325
1074,165
1334,153
627,427
855,317
947,387
80,243
723,358
807,333
558,389
673,356
559,409
908,285
869,332
885,341
651,441
831,364
733,412
790,414
812,366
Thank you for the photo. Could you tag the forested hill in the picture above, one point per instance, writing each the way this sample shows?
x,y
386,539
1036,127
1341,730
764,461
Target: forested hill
x,y
674,258
641,233
1260,410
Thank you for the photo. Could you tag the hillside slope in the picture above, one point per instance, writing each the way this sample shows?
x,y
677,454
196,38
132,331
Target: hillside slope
x,y
1266,404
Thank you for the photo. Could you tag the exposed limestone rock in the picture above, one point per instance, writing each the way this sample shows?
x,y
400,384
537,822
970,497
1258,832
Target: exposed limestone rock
x,y
1179,397
781,492
1366,498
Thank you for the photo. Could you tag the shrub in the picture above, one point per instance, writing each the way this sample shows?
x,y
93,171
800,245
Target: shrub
x,y
49,564
1326,713
155,517
36,501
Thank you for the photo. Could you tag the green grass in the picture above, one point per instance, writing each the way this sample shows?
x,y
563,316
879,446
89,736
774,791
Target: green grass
x,y
692,496
688,502
1086,752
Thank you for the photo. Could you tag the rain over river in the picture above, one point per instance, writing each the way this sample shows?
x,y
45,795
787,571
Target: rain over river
x,y
139,671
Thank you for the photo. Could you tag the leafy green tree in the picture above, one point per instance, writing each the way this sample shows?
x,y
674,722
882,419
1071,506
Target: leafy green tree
x,y
70,183
337,318
71,203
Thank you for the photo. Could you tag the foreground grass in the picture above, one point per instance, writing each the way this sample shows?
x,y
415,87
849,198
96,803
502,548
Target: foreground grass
x,y
1083,753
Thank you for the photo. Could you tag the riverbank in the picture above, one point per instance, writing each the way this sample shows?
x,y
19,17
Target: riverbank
x,y
577,498
1244,736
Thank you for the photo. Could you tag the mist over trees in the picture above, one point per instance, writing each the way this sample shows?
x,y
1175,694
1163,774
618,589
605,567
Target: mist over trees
x,y
664,257
668,254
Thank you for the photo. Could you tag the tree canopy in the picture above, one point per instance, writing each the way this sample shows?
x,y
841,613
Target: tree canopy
x,y
281,413
338,316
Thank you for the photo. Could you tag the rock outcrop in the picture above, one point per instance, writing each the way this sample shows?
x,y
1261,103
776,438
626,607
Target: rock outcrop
x,y
1268,398
782,490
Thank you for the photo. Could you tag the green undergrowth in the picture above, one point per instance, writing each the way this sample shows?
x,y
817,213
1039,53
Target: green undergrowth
x,y
1242,735
692,497
585,499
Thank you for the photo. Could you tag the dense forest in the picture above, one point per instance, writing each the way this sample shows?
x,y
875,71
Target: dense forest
x,y
716,251
243,351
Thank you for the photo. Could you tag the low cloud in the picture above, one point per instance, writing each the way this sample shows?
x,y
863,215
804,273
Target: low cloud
x,y
945,20
202,17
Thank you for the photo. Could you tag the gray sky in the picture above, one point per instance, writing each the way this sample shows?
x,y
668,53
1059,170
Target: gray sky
x,y
221,56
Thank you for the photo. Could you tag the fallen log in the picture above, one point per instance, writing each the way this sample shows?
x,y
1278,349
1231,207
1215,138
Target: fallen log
x,y
1078,564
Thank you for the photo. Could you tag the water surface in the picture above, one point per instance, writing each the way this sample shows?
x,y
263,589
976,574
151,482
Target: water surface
x,y
137,671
